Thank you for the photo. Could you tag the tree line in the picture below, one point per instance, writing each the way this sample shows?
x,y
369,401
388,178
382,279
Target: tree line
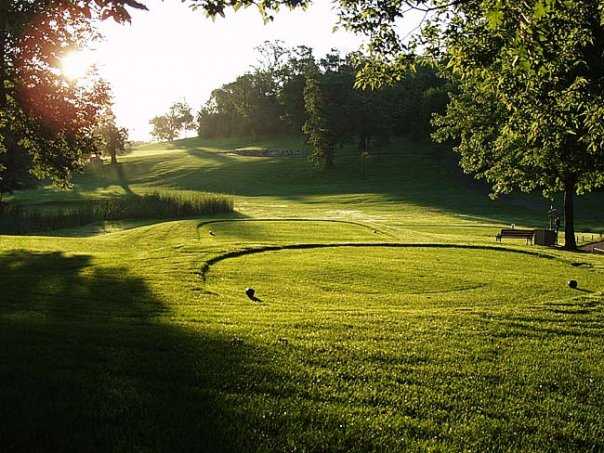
x,y
291,91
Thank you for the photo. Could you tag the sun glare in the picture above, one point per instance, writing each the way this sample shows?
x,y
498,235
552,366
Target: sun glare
x,y
76,64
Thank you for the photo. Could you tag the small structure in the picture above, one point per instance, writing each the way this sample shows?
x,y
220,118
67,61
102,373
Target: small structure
x,y
95,161
546,237
549,235
553,216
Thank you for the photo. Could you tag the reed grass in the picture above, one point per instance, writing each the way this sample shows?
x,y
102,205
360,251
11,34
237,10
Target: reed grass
x,y
15,219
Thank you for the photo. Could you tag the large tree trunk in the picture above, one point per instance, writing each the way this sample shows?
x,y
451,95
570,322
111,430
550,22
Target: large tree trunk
x,y
569,215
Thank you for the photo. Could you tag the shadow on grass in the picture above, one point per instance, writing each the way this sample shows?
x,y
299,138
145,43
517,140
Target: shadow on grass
x,y
86,365
423,175
122,180
428,177
579,319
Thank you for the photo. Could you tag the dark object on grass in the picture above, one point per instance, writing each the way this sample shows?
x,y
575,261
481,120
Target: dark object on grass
x,y
211,233
572,284
514,233
250,292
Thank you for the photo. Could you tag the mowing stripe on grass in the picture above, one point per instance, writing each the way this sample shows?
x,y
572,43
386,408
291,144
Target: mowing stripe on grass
x,y
205,267
347,222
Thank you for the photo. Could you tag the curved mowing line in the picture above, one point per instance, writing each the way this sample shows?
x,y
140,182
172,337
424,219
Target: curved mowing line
x,y
205,267
348,222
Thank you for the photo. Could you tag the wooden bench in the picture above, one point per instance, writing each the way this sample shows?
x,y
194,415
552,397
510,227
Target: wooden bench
x,y
512,233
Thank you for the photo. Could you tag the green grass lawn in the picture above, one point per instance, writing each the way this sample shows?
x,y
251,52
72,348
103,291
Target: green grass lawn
x,y
413,182
137,336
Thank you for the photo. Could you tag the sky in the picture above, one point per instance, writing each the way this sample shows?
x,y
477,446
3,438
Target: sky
x,y
171,53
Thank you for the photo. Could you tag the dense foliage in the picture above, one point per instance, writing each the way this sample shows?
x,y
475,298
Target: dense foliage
x,y
321,127
111,139
528,112
46,121
168,126
292,91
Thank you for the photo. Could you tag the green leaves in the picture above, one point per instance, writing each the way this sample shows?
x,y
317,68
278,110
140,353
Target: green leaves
x,y
494,18
540,10
530,84
543,7
319,127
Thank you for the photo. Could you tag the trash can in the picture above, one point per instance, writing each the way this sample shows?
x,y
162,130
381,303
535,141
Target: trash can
x,y
546,237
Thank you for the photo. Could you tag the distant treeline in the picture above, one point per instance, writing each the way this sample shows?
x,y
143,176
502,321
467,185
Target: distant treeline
x,y
291,91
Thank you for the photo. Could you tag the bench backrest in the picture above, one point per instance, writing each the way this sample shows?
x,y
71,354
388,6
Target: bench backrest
x,y
505,232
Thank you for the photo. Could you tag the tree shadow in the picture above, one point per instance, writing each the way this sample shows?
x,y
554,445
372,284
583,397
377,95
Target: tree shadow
x,y
580,319
86,364
426,179
121,178
416,174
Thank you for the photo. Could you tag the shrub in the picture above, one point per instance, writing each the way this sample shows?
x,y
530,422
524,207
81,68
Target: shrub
x,y
156,205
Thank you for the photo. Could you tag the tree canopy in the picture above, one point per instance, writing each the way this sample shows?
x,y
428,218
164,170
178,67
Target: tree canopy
x,y
168,126
292,91
527,113
46,121
110,138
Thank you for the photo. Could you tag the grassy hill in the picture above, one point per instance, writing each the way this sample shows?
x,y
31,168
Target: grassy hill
x,y
388,317
408,180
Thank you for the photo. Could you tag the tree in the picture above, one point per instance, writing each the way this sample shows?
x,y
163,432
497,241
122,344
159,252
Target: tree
x,y
47,122
167,127
541,127
247,106
319,130
111,139
163,128
337,113
182,115
292,77
527,113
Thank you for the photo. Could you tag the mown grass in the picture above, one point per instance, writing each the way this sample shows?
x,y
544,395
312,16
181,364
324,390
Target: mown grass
x,y
117,344
114,342
406,183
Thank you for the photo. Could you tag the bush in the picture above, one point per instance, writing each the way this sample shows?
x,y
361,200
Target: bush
x,y
20,220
